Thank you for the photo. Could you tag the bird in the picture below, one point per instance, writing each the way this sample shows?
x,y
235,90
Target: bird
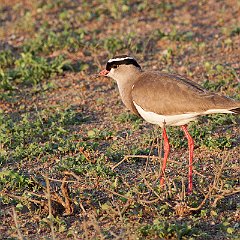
x,y
165,99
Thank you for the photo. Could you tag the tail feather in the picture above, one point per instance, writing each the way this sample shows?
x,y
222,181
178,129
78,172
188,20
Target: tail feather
x,y
235,110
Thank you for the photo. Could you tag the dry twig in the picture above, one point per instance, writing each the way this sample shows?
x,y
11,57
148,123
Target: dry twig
x,y
96,226
68,203
20,236
142,156
159,197
48,194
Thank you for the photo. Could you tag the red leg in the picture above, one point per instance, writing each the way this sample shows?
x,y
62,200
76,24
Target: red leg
x,y
166,153
190,146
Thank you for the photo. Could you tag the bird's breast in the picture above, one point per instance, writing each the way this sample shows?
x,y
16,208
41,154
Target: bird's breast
x,y
126,96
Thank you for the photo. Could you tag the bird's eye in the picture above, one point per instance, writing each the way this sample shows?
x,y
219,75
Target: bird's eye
x,y
115,66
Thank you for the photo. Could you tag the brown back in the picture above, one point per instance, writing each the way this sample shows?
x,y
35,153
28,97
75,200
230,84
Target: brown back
x,y
170,94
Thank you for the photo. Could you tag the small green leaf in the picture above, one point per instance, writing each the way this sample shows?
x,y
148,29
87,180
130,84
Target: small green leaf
x,y
213,213
226,224
91,133
115,183
19,206
230,230
105,206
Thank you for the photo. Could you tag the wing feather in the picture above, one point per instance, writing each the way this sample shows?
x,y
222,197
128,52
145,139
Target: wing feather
x,y
170,94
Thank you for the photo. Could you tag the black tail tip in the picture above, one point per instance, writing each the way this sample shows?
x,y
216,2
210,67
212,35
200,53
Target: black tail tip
x,y
236,110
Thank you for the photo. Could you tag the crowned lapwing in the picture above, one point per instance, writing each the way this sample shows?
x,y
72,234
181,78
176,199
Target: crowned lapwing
x,y
166,100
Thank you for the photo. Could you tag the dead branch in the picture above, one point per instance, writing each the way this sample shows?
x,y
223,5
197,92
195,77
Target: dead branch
x,y
16,224
48,194
72,174
204,200
23,198
159,197
117,194
225,193
96,226
68,202
144,157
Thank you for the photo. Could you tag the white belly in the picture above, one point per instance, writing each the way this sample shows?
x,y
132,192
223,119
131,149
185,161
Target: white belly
x,y
171,120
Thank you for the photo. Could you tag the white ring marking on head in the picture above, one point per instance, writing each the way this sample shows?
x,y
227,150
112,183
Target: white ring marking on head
x,y
119,59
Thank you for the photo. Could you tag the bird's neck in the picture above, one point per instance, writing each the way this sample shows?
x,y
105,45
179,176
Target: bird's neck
x,y
125,87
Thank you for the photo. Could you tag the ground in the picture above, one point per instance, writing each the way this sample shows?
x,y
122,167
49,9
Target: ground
x,y
75,163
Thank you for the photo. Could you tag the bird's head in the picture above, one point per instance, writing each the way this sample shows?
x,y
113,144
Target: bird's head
x,y
120,67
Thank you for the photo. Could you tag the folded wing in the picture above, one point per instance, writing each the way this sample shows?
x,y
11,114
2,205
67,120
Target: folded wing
x,y
169,94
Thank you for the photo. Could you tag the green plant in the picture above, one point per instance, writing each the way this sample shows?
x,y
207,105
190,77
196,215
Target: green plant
x,y
31,136
12,180
50,41
6,59
118,8
127,117
31,69
113,44
162,229
235,31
